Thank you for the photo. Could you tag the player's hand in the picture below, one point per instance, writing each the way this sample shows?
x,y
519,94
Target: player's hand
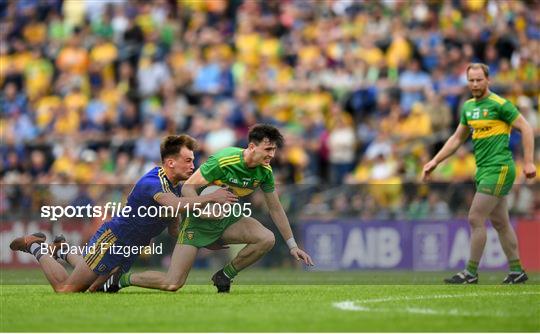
x,y
299,254
428,168
223,196
529,170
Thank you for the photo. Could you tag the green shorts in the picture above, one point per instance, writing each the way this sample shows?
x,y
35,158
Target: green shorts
x,y
495,181
200,232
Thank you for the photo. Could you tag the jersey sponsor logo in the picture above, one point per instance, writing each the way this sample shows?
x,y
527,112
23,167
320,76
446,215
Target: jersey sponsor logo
x,y
488,128
484,129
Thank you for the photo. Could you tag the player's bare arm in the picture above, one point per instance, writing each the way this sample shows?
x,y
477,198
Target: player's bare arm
x,y
220,196
527,138
450,147
195,181
282,222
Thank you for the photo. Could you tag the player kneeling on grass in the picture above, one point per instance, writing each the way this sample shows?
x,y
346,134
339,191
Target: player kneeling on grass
x,y
160,186
242,171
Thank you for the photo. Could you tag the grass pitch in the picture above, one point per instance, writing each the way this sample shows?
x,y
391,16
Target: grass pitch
x,y
278,301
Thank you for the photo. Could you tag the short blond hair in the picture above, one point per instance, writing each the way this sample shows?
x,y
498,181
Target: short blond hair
x,y
476,66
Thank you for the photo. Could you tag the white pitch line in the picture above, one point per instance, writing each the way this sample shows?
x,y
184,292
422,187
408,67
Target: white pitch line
x,y
350,306
421,310
360,305
472,294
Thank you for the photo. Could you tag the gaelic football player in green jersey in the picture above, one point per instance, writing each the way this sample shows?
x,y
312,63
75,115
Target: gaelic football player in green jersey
x,y
241,171
490,119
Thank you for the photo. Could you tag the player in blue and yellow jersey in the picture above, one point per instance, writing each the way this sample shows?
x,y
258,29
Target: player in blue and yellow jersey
x,y
159,187
490,118
242,171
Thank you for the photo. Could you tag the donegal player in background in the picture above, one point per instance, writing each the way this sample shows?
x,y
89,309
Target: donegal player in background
x,y
160,186
242,171
491,118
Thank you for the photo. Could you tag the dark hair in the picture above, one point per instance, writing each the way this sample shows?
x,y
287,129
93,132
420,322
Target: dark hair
x,y
476,66
171,145
260,131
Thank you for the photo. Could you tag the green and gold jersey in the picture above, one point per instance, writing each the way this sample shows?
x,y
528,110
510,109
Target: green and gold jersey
x,y
227,167
490,120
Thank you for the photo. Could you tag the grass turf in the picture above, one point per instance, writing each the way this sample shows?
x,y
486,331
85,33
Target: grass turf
x,y
278,301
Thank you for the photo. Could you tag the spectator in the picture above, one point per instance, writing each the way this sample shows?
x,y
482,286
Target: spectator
x,y
12,102
341,146
147,147
152,73
413,82
73,57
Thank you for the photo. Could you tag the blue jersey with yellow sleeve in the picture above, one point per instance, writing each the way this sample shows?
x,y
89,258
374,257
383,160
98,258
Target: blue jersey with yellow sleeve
x,y
142,224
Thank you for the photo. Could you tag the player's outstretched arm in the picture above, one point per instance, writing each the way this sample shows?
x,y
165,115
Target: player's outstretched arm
x,y
282,222
195,181
527,138
449,148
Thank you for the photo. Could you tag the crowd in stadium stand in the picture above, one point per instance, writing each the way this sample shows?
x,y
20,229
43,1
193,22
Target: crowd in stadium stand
x,y
365,92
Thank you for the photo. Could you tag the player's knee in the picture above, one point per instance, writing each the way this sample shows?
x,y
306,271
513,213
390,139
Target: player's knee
x,y
60,289
173,287
476,221
65,289
268,240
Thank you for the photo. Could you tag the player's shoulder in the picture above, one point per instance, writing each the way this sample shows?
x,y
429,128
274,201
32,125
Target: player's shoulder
x,y
154,180
497,99
469,103
155,176
228,156
266,168
152,175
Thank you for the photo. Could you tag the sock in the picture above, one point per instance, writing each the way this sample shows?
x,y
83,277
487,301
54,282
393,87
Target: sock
x,y
515,266
230,271
125,280
472,267
36,250
62,255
